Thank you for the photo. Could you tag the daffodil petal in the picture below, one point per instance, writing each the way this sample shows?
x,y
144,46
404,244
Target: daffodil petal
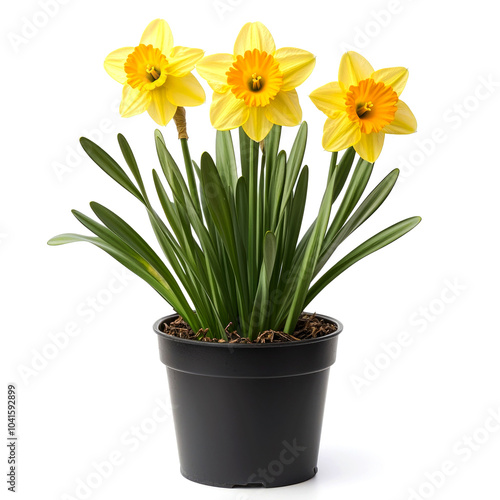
x,y
329,98
161,110
257,126
340,133
404,121
284,109
370,146
254,36
214,68
134,102
227,112
115,62
184,91
159,35
296,66
182,60
353,68
394,77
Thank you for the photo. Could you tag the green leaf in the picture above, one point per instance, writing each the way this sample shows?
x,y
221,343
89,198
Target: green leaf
x,y
247,148
185,202
354,191
132,164
168,207
253,239
131,238
343,168
133,261
188,163
306,268
341,172
241,199
294,163
375,243
271,148
106,163
171,171
172,213
295,220
271,145
276,188
218,205
261,306
225,159
129,259
367,208
199,284
261,210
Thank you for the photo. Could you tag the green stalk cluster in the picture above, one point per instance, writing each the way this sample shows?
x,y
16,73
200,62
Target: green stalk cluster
x,y
233,255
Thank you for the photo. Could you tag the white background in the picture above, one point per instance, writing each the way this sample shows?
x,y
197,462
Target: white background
x,y
386,429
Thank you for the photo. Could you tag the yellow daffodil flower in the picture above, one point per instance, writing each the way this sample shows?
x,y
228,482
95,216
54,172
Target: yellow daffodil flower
x,y
255,86
156,76
363,106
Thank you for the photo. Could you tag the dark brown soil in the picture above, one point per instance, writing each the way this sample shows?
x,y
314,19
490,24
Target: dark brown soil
x,y
309,326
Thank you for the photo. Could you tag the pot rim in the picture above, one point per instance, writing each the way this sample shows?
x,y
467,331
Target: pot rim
x,y
227,345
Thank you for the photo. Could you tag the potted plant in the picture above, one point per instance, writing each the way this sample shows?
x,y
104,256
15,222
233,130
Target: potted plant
x,y
247,366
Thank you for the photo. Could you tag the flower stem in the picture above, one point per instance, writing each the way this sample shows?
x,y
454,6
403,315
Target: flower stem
x,y
190,174
180,123
252,212
333,164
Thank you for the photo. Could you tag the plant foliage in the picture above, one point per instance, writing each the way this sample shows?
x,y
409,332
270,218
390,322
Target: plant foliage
x,y
231,239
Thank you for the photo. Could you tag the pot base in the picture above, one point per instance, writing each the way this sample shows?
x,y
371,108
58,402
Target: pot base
x,y
247,485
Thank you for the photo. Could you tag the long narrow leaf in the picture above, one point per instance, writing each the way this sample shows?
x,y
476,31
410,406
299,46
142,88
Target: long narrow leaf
x,y
139,267
369,206
308,265
108,165
225,159
132,164
295,220
294,163
375,243
261,306
218,205
354,191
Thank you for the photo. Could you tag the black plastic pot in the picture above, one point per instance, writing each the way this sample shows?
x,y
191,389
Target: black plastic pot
x,y
248,414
